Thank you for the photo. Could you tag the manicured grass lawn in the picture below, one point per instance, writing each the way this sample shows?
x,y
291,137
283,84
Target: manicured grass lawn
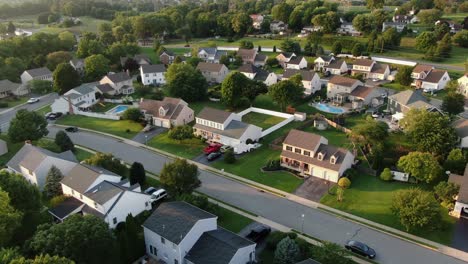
x,y
82,154
198,106
188,148
44,110
261,120
102,107
335,137
232,221
12,149
371,198
115,127
13,101
396,86
148,51
265,101
353,120
88,24
180,51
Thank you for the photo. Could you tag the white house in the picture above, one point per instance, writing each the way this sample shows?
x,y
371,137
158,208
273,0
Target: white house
x,y
213,72
34,163
341,85
278,26
80,98
322,61
298,63
310,80
43,74
461,127
461,205
8,88
211,55
178,232
463,85
370,69
310,155
116,83
169,112
284,57
337,67
399,26
347,28
153,74
428,78
226,128
258,74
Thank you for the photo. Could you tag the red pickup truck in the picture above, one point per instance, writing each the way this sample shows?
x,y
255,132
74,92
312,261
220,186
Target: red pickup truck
x,y
212,148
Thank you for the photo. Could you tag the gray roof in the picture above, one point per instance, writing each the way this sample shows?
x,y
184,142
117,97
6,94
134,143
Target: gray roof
x,y
261,75
216,247
213,114
326,58
104,88
153,68
174,220
235,129
461,127
39,72
408,97
65,208
306,75
85,88
8,86
82,176
210,67
119,77
77,63
335,64
220,53
248,68
295,60
261,57
208,50
308,261
104,191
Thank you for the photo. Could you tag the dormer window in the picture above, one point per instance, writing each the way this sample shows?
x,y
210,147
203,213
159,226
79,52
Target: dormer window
x,y
333,160
320,156
162,112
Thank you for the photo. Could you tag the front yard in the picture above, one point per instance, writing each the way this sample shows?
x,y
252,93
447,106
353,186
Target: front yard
x,y
12,149
371,198
13,101
261,120
187,148
122,128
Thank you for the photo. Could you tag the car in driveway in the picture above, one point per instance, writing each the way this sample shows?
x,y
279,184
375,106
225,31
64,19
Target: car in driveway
x,y
150,190
157,195
213,156
225,148
360,248
211,148
53,116
32,100
258,233
71,129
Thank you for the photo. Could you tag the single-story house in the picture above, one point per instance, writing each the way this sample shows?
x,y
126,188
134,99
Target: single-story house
x,y
120,83
213,72
310,80
80,98
169,112
258,74
461,205
461,127
153,74
36,74
297,63
8,88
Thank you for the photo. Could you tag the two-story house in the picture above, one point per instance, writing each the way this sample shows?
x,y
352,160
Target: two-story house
x,y
80,98
140,59
153,74
42,74
284,57
167,57
297,63
461,128
169,112
406,19
310,80
251,56
401,103
428,78
211,55
463,85
419,73
213,72
337,67
347,28
322,61
116,83
461,205
311,155
341,85
278,26
178,232
258,74
370,69
226,128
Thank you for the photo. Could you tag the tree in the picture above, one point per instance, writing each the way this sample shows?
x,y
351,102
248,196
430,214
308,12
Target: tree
x,y
289,45
27,125
11,27
363,23
453,103
426,40
64,142
444,47
375,4
67,40
429,16
40,86
224,60
132,65
416,209
281,12
422,166
137,174
344,183
52,186
10,219
229,156
461,38
446,193
186,82
285,92
329,21
133,114
231,88
240,23
403,75
441,30
371,135
181,132
43,259
357,50
72,239
455,162
386,175
96,66
331,253
391,38
336,48
245,44
108,162
88,47
65,78
287,251
8,254
55,58
179,177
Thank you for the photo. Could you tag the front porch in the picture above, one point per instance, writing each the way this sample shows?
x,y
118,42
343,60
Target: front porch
x,y
299,166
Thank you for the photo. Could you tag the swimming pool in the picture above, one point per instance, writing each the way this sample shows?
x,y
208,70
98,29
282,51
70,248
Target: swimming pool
x,y
118,109
329,108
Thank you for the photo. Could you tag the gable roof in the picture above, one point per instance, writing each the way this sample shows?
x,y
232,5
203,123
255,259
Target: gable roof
x,y
326,58
462,181
172,107
408,97
343,81
235,129
362,91
363,62
213,114
260,57
83,89
335,64
104,191
210,67
287,55
250,53
38,72
167,52
248,68
422,68
174,220
295,60
118,77
77,63
379,68
8,86
152,68
461,127
80,177
209,50
306,75
104,88
302,139
434,76
65,208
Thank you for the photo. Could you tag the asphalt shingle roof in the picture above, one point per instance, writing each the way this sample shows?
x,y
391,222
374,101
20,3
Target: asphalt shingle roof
x,y
213,114
39,72
118,77
306,75
8,86
210,67
147,68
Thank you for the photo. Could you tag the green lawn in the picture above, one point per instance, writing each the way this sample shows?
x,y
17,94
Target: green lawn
x,y
44,110
188,148
198,106
232,221
121,128
88,24
261,120
82,154
371,198
14,101
148,51
396,86
264,101
12,149
102,107
335,137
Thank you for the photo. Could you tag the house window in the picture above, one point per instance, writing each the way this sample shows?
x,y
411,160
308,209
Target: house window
x,y
306,153
297,150
146,204
333,160
289,148
114,220
163,241
151,249
174,246
320,156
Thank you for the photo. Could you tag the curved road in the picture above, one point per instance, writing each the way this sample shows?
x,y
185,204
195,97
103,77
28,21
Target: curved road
x,y
390,250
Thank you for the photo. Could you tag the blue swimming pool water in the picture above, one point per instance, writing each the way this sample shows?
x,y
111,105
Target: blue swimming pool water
x,y
119,109
329,109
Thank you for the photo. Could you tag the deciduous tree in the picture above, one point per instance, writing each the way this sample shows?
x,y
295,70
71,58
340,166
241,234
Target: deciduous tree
x,y
27,125
461,38
232,87
426,40
403,75
453,103
287,251
179,177
420,165
64,142
96,66
375,4
137,174
186,82
55,58
133,114
10,219
108,162
65,78
455,162
285,92
446,193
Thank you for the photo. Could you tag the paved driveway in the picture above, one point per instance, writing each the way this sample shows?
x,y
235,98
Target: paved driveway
x,y
460,235
144,137
313,188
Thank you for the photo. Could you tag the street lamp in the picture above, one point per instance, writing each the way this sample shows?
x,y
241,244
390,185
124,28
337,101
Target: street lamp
x,y
302,225
146,139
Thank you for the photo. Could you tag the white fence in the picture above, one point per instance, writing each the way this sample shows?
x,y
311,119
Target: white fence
x,y
264,49
98,115
288,118
395,61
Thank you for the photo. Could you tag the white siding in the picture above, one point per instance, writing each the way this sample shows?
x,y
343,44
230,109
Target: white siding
x,y
130,203
244,255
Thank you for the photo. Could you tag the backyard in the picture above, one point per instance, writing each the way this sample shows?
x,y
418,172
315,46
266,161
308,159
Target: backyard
x,y
261,120
335,137
371,198
187,148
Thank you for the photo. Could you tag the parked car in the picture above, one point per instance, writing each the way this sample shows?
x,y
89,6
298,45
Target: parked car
x,y
212,148
150,190
360,248
258,233
225,148
71,129
33,100
48,114
158,195
53,116
213,156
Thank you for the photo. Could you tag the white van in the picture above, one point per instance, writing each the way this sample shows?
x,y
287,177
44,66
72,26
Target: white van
x,y
158,195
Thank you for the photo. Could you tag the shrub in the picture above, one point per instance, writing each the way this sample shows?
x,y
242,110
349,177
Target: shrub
x,y
133,114
229,157
3,104
276,236
386,175
181,132
57,200
273,165
344,183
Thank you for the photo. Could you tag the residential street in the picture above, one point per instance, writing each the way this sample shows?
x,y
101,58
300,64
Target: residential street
x,y
281,210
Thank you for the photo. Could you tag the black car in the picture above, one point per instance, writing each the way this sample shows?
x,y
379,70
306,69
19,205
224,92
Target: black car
x,y
258,233
71,129
214,155
360,248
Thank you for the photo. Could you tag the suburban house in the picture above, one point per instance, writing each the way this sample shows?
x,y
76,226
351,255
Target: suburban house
x,y
463,85
178,232
370,69
43,74
258,74
34,163
257,20
211,55
305,31
116,83
213,72
226,128
428,78
140,59
78,65
153,74
400,103
337,67
167,57
322,61
284,57
461,205
347,28
8,88
461,127
169,112
341,85
297,62
252,56
399,26
278,26
310,80
406,19
80,98
96,191
454,27
310,155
